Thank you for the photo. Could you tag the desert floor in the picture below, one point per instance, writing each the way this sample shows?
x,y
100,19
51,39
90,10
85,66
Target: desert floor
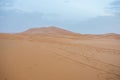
x,y
49,57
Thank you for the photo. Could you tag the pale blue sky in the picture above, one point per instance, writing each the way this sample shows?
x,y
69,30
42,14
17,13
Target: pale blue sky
x,y
83,16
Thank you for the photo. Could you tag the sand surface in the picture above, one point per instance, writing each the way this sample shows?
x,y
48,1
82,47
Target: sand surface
x,y
49,57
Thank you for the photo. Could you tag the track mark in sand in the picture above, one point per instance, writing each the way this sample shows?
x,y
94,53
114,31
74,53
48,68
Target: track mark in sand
x,y
93,63
115,77
104,76
86,52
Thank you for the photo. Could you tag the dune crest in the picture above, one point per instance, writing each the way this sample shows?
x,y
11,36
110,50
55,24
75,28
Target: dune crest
x,y
48,30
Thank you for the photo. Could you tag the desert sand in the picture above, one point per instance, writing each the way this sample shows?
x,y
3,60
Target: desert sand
x,y
56,54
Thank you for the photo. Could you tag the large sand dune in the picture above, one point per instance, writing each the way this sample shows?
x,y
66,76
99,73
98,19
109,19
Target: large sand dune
x,y
57,54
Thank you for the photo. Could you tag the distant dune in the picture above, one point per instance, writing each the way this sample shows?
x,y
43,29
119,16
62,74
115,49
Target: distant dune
x,y
52,53
48,30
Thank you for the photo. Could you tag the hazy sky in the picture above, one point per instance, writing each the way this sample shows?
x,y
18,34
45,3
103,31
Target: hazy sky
x,y
83,16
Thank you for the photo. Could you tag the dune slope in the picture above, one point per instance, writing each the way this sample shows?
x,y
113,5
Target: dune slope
x,y
49,57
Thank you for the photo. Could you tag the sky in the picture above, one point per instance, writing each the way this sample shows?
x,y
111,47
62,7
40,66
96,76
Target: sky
x,y
81,16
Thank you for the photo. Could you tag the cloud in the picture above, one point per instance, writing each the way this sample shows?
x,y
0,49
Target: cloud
x,y
107,14
115,7
5,3
68,8
16,15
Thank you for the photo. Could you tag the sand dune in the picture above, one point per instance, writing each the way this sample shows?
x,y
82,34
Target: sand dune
x,y
57,54
48,30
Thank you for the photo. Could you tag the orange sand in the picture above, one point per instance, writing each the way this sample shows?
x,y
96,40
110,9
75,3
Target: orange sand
x,y
59,55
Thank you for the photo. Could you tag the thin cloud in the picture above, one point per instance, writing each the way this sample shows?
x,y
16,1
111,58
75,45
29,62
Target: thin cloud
x,y
5,3
22,14
115,7
73,7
